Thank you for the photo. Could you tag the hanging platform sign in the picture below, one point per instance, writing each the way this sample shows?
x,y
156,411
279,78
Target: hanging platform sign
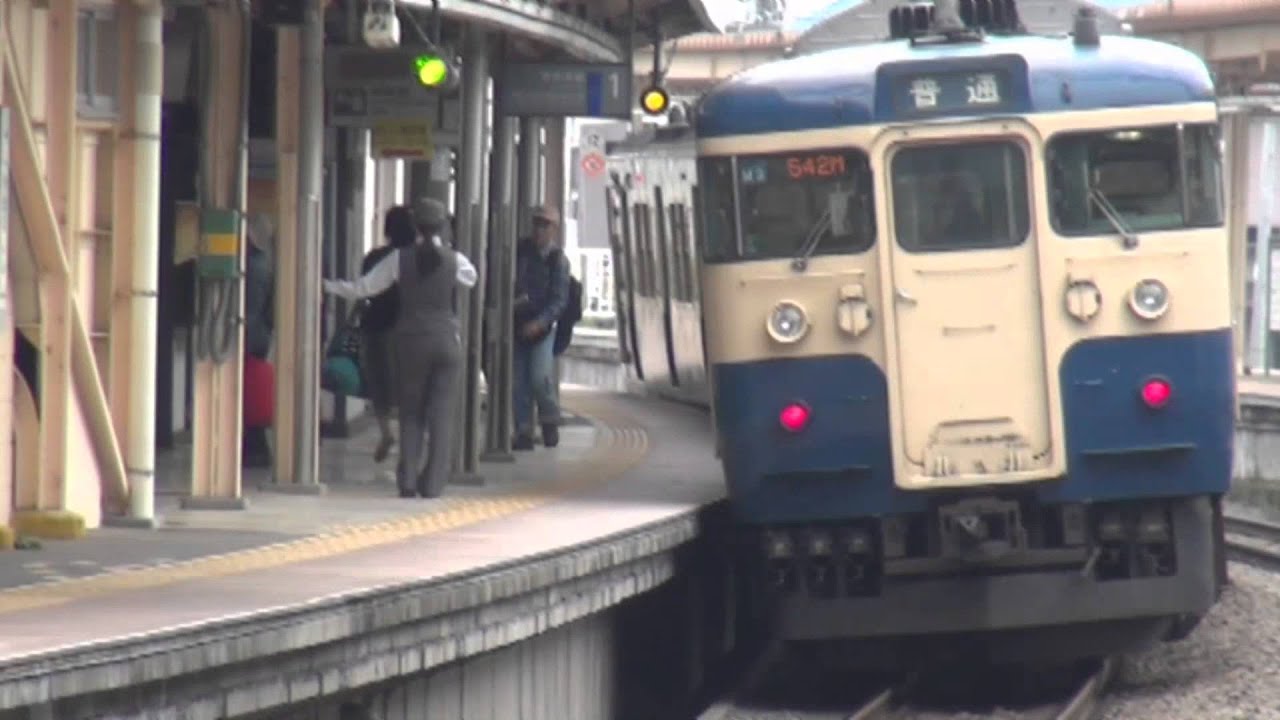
x,y
565,90
402,139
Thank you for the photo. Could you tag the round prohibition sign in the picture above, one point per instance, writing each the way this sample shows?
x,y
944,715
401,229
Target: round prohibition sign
x,y
593,164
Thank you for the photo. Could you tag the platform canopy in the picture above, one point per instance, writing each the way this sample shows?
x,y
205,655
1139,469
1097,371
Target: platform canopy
x,y
868,21
594,30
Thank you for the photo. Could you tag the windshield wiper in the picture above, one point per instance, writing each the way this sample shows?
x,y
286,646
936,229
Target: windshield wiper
x,y
1113,216
812,241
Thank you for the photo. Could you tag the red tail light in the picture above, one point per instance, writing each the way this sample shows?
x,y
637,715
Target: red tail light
x,y
1156,392
794,417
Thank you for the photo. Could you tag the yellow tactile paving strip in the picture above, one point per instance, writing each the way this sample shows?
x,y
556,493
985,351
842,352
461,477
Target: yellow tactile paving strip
x,y
619,447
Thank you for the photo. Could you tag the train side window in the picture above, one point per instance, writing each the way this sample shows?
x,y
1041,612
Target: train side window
x,y
814,202
1202,160
719,217
1153,178
960,197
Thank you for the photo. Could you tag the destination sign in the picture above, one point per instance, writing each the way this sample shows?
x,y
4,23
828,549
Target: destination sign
x,y
820,165
951,92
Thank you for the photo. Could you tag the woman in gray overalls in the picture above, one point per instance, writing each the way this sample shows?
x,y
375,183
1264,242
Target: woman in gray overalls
x,y
427,347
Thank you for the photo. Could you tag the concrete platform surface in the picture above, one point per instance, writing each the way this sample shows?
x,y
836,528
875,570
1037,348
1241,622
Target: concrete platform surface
x,y
1259,389
613,499
358,491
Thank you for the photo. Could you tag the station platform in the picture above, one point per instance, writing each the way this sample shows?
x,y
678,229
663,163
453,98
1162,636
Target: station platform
x,y
213,588
1259,389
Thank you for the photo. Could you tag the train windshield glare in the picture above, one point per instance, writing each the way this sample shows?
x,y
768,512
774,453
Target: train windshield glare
x,y
788,205
1155,178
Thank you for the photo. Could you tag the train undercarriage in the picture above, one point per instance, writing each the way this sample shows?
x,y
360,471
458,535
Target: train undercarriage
x,y
1005,577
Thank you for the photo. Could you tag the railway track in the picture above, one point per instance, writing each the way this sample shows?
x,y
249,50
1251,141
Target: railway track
x,y
896,703
1253,541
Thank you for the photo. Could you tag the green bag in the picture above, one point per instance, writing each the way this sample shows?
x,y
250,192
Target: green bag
x,y
340,372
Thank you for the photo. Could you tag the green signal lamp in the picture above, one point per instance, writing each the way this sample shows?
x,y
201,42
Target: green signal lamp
x,y
654,100
435,72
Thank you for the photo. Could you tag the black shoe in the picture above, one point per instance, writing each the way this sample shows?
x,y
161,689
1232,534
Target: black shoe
x,y
407,493
550,434
522,442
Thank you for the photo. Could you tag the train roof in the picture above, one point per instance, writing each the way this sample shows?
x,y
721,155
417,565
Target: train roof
x,y
873,83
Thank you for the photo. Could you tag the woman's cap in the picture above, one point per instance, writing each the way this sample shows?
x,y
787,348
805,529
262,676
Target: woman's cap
x,y
430,212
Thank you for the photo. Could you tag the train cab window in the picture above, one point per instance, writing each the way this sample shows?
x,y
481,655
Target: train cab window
x,y
719,224
1135,180
960,197
805,203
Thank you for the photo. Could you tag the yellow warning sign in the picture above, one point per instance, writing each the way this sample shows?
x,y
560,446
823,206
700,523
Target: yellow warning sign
x,y
409,139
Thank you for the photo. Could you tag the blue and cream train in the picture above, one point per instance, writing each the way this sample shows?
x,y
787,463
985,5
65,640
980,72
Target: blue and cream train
x,y
958,303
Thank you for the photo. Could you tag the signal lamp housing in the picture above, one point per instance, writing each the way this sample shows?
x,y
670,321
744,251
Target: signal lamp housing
x,y
654,100
435,72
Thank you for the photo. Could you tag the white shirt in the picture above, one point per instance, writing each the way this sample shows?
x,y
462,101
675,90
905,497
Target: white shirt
x,y
387,272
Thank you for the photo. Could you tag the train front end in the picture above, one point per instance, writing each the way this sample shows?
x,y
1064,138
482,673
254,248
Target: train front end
x,y
968,324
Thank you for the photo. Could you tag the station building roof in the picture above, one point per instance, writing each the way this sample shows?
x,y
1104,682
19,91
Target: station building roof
x,y
1165,16
868,21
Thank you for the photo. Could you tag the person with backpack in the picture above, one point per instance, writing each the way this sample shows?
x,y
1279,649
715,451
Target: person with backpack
x,y
569,318
541,295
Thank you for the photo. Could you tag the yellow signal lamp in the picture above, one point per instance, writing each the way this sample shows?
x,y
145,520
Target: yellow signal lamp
x,y
654,100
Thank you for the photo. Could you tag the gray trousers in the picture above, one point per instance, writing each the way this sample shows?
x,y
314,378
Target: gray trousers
x,y
428,374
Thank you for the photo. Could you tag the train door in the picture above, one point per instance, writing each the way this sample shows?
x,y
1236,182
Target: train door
x,y
663,256
620,241
969,385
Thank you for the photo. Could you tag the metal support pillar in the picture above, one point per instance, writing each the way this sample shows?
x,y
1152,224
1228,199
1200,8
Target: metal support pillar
x,y
1259,359
419,179
473,232
306,381
501,296
530,175
529,191
1236,132
140,429
441,179
553,193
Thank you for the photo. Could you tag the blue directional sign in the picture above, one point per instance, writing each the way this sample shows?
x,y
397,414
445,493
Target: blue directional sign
x,y
566,90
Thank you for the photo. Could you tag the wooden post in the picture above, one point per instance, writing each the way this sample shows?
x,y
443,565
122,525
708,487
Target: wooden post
x,y
55,289
215,477
6,313
288,97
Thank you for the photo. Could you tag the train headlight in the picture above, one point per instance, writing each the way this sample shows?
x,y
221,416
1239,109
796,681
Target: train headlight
x,y
1149,299
787,322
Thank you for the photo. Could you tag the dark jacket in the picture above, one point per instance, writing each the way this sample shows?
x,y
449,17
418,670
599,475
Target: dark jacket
x,y
259,315
383,309
542,284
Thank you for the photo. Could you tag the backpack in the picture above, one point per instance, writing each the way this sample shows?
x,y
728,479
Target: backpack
x,y
569,317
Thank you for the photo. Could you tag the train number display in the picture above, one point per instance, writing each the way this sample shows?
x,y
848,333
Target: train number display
x,y
800,167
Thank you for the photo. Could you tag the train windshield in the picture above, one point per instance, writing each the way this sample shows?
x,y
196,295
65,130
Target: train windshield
x,y
1150,179
960,197
787,205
